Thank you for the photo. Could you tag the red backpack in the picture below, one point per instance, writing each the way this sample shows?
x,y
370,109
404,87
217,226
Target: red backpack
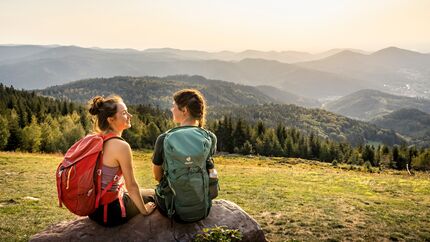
x,y
79,178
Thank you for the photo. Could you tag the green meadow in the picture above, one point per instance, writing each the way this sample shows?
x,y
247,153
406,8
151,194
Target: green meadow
x,y
292,199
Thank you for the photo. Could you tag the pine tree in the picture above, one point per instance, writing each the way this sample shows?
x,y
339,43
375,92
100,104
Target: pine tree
x,y
314,146
14,141
395,157
239,136
261,129
229,134
271,147
412,153
368,154
4,132
324,153
259,146
333,151
281,133
224,134
288,148
303,149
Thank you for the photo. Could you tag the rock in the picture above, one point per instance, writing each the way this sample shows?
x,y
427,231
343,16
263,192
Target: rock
x,y
31,198
155,227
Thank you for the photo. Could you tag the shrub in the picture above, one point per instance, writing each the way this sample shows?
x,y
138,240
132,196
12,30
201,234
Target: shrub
x,y
334,162
220,234
422,162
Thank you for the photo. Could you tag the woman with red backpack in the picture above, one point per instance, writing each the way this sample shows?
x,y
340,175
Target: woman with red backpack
x,y
111,119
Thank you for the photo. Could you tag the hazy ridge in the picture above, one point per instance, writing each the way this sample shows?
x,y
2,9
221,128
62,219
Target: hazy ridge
x,y
336,72
368,104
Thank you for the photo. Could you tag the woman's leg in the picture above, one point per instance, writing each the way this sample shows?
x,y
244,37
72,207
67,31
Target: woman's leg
x,y
147,192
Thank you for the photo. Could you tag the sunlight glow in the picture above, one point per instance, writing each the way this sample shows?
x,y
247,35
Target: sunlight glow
x,y
307,25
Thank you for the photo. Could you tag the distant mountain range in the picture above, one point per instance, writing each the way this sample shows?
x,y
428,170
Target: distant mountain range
x,y
338,73
58,65
158,91
411,123
368,104
392,69
281,56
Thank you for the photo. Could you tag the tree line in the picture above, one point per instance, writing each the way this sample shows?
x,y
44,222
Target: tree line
x,y
33,123
239,136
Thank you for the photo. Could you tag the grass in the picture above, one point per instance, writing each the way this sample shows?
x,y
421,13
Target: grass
x,y
292,199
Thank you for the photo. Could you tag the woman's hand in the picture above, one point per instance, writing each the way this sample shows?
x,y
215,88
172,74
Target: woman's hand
x,y
149,207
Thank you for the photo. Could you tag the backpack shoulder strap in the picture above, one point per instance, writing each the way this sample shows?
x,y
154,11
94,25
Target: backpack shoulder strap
x,y
110,136
213,140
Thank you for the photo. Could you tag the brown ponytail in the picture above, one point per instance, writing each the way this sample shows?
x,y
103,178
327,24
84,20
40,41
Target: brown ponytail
x,y
194,101
103,108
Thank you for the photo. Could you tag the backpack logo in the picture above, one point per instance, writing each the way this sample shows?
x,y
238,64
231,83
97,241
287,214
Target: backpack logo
x,y
188,161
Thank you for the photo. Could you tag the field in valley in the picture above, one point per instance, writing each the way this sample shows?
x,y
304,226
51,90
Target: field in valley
x,y
292,199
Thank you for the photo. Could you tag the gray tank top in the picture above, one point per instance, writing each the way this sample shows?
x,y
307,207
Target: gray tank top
x,y
108,173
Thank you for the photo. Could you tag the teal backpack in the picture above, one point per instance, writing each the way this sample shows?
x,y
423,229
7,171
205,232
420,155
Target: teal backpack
x,y
184,188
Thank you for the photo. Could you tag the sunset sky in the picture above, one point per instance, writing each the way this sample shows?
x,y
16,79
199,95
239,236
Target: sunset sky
x,y
235,25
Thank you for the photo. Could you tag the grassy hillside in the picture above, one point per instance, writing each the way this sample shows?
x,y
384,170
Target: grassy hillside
x,y
291,199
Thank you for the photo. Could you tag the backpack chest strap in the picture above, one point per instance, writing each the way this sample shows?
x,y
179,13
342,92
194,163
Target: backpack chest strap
x,y
186,170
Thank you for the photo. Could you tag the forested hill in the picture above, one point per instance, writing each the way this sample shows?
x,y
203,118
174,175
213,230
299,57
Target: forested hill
x,y
158,91
321,122
412,123
288,98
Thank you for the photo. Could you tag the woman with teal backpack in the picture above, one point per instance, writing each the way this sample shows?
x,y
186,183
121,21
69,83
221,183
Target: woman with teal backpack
x,y
182,161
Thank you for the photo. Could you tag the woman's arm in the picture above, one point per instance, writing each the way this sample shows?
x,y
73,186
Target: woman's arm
x,y
125,161
158,158
157,171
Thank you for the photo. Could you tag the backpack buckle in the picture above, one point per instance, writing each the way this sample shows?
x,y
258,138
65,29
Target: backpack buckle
x,y
99,172
115,178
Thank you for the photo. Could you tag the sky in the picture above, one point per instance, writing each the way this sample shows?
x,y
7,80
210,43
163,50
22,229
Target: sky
x,y
235,25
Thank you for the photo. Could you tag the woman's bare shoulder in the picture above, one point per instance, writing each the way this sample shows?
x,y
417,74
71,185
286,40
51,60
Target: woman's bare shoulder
x,y
117,144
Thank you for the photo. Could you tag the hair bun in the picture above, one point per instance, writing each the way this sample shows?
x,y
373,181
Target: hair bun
x,y
96,104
